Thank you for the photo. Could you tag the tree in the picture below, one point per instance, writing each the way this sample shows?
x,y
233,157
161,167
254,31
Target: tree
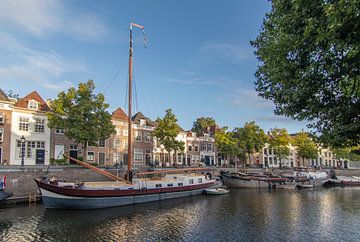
x,y
279,143
305,147
250,138
348,153
309,55
202,125
226,143
82,115
12,94
166,132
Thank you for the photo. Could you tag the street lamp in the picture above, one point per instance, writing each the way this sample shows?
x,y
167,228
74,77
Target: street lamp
x,y
22,150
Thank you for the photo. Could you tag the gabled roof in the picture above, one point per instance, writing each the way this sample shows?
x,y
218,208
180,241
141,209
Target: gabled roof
x,y
138,116
23,102
3,96
120,115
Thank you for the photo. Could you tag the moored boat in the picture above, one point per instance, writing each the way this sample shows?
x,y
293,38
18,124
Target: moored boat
x,y
217,191
242,180
90,195
343,181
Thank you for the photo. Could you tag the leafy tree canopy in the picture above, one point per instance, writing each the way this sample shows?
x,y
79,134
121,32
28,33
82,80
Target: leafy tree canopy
x,y
309,54
279,142
225,142
202,125
82,114
305,146
349,153
250,138
166,132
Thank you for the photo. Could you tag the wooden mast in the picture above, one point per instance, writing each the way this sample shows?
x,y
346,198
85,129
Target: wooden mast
x,y
130,150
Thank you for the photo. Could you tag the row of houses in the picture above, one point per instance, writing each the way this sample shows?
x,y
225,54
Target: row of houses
x,y
25,137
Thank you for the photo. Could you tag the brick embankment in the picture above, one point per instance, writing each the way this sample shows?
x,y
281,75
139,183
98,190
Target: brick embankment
x,y
21,181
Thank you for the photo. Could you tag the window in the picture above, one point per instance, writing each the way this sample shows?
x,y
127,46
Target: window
x,y
39,125
1,134
170,184
118,131
138,136
72,147
125,132
147,137
138,155
158,185
101,143
59,131
200,180
196,148
142,122
203,147
33,104
90,156
116,144
191,181
2,118
24,124
180,184
209,147
117,157
40,144
190,148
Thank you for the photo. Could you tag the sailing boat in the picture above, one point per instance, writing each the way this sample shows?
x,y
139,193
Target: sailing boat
x,y
91,195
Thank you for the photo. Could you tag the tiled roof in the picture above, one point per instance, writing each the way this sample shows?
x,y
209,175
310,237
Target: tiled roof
x,y
3,96
120,114
23,102
136,119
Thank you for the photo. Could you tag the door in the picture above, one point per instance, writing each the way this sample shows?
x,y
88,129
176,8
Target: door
x,y
147,157
101,158
40,157
125,159
73,154
207,160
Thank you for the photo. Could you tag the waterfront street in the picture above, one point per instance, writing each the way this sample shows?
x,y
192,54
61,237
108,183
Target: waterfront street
x,y
242,215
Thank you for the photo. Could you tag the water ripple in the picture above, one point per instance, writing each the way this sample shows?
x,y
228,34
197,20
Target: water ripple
x,y
242,215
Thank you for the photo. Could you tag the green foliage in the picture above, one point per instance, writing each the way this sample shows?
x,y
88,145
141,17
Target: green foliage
x,y
279,142
305,146
309,53
225,142
166,132
82,115
201,125
348,153
250,138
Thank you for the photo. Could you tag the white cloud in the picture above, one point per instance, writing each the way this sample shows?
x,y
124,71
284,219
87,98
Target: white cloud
x,y
38,66
42,17
236,53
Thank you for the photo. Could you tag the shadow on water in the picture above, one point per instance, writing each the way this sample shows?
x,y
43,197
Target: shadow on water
x,y
319,214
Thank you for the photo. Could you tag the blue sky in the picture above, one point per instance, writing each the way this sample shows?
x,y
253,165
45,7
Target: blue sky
x,y
198,60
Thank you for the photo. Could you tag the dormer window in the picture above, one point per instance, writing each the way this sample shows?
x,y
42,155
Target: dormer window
x,y
142,122
33,104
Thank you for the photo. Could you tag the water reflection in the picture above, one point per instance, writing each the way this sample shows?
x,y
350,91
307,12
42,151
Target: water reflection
x,y
321,214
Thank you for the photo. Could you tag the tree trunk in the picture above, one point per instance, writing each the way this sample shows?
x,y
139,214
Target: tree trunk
x,y
303,158
249,158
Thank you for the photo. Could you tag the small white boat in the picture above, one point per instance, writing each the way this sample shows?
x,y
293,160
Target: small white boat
x,y
305,186
216,191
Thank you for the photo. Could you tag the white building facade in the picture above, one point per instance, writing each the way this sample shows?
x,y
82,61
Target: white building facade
x,y
30,135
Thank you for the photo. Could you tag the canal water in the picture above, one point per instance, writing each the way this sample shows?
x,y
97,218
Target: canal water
x,y
242,215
